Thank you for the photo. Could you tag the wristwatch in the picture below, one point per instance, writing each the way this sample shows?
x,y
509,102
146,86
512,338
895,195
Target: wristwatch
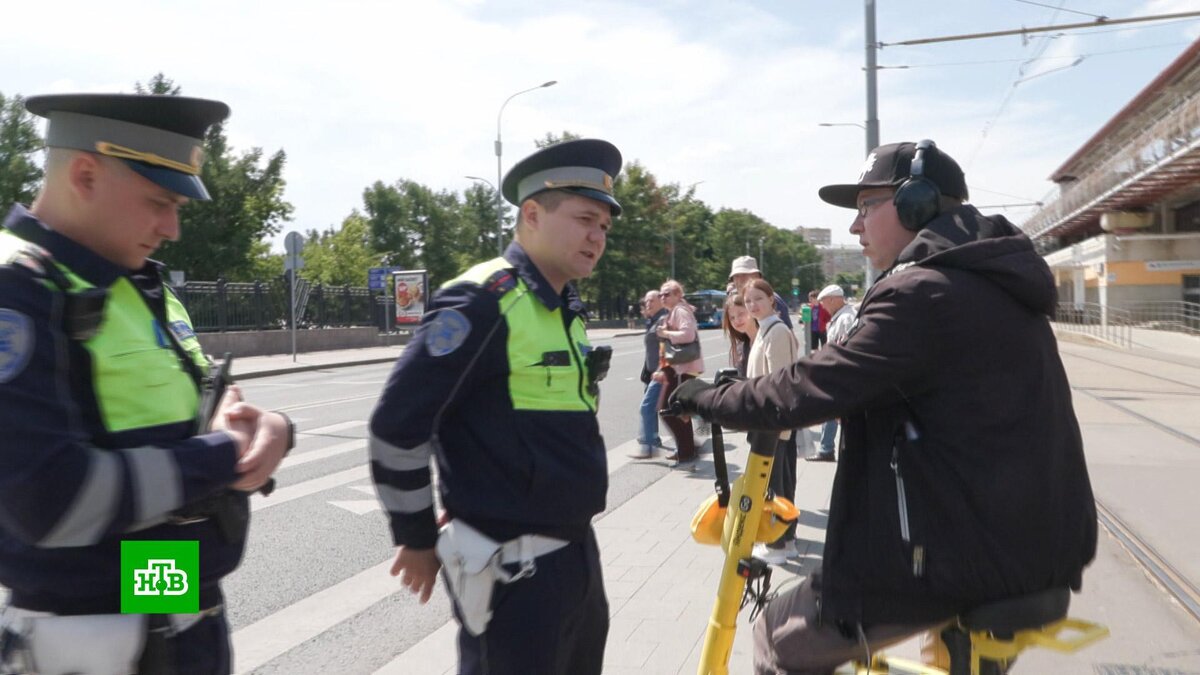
x,y
291,434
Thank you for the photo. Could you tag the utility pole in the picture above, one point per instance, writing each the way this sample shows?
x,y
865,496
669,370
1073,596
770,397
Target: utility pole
x,y
872,114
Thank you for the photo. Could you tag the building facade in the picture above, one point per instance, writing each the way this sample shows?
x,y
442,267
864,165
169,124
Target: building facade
x,y
1121,229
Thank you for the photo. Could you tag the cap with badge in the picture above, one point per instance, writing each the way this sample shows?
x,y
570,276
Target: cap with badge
x,y
159,137
890,165
586,167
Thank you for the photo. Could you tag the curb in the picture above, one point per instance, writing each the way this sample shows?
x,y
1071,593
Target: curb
x,y
307,367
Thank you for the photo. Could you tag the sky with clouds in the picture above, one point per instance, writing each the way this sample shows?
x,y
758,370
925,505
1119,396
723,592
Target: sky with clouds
x,y
726,94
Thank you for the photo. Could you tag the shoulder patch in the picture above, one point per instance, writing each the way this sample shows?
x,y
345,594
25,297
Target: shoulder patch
x,y
501,282
16,343
447,332
182,330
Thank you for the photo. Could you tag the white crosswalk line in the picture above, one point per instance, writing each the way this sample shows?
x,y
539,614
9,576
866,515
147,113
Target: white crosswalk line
x,y
271,636
330,428
308,487
325,453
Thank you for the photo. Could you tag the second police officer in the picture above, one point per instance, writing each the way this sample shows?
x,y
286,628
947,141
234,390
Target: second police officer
x,y
100,385
499,385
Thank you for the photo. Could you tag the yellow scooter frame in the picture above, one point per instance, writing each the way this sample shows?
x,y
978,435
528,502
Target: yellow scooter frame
x,y
741,527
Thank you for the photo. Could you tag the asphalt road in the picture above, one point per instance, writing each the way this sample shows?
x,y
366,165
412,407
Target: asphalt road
x,y
312,594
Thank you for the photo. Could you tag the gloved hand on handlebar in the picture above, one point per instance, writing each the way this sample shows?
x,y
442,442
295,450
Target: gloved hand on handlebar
x,y
683,400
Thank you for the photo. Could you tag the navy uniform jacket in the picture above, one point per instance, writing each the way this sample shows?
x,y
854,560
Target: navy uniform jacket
x,y
507,471
70,488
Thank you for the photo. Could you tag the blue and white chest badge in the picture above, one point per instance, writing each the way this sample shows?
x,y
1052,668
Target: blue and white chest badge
x,y
447,332
16,343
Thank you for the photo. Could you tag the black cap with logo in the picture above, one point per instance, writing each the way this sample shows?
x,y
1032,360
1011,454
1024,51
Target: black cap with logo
x,y
890,165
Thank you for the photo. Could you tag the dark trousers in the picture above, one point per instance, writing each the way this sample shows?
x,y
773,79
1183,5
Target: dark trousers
x,y
553,622
681,427
783,480
202,649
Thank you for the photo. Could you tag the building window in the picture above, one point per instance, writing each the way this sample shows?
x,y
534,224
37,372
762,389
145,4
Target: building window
x,y
1187,218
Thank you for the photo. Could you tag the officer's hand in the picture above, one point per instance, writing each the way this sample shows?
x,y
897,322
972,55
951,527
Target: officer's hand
x,y
417,569
236,419
683,400
232,397
266,451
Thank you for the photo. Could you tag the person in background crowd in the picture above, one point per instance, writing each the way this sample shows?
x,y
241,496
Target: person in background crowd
x,y
744,270
775,346
740,328
832,300
816,323
648,439
679,328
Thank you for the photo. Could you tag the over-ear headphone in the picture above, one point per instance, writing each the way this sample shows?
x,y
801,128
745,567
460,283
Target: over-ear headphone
x,y
917,199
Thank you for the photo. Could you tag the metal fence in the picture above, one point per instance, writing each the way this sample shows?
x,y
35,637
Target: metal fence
x,y
1106,323
1170,315
1116,324
221,306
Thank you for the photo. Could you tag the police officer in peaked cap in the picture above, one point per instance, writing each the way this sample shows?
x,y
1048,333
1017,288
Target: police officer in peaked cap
x,y
499,385
101,376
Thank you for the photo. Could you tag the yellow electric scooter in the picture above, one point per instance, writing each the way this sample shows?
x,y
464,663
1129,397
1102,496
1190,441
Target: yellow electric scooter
x,y
755,517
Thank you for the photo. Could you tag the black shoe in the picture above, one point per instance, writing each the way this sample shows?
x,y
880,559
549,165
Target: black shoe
x,y
821,457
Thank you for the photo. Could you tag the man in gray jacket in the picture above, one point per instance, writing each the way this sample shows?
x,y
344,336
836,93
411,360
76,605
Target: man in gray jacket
x,y
963,478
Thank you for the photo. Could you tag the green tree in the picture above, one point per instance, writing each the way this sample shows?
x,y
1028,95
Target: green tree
x,y
637,255
340,257
551,139
478,218
20,175
224,237
415,228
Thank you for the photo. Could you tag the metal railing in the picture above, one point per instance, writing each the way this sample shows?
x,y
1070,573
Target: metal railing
x,y
1110,324
1163,142
221,306
1170,315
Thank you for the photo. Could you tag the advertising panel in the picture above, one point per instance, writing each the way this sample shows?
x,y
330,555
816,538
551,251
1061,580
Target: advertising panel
x,y
410,295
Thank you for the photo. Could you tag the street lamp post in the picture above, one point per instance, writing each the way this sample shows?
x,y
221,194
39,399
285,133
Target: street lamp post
x,y
499,149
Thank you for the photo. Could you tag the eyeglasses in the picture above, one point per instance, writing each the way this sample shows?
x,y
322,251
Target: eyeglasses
x,y
868,203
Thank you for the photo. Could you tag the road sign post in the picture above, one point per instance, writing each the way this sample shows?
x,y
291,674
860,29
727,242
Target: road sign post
x,y
293,243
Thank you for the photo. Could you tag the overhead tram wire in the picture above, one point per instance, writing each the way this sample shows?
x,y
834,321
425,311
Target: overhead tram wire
x,y
1098,17
1040,58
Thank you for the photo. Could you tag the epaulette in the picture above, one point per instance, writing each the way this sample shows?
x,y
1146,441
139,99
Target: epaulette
x,y
83,310
33,259
501,282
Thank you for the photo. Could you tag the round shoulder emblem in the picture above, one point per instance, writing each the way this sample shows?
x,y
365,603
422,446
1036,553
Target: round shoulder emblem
x,y
16,343
447,332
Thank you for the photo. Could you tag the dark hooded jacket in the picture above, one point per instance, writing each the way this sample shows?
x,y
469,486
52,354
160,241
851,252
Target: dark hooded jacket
x,y
963,477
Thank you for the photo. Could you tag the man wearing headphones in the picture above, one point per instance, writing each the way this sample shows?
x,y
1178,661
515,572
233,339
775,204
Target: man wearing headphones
x,y
963,478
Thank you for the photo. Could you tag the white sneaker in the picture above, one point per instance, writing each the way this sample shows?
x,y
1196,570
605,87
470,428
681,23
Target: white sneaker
x,y
771,556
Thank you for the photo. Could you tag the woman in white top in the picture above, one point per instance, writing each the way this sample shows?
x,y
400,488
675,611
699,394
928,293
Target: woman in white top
x,y
773,348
